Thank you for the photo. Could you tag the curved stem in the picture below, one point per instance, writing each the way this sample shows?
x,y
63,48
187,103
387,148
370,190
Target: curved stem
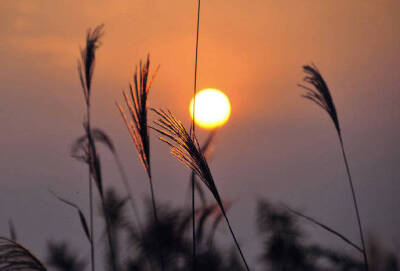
x,y
355,203
325,227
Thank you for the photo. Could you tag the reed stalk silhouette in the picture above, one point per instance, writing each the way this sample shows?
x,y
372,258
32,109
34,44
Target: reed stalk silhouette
x,y
193,133
137,104
320,95
185,148
85,70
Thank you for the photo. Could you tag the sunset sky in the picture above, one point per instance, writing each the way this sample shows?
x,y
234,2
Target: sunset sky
x,y
276,145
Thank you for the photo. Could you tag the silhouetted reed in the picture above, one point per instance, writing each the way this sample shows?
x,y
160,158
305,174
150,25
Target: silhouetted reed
x,y
186,149
320,95
85,70
87,62
193,132
137,127
137,104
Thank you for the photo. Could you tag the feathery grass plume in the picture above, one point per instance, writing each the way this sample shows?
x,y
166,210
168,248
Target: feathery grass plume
x,y
85,70
87,61
320,94
137,105
185,148
14,256
206,149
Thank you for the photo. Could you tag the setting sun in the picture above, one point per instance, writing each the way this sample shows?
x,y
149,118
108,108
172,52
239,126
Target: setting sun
x,y
212,108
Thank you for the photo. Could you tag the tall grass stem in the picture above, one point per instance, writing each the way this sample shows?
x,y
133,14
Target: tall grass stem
x,y
91,222
193,133
355,203
234,239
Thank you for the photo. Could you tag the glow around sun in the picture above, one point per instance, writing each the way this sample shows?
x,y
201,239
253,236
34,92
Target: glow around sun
x,y
212,108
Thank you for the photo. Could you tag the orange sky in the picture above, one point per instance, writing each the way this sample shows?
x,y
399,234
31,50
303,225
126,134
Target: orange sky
x,y
253,50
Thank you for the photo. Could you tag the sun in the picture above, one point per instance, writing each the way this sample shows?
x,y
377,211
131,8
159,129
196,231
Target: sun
x,y
212,108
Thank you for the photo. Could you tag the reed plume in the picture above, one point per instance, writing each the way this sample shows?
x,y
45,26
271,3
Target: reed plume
x,y
87,62
14,256
321,95
85,70
185,148
137,103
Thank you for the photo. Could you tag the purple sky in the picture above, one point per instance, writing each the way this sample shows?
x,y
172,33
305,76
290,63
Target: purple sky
x,y
276,145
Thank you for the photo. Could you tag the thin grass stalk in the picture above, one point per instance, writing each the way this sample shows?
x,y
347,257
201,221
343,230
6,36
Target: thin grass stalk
x,y
322,97
95,168
92,251
234,239
355,204
153,201
85,70
193,136
195,67
187,151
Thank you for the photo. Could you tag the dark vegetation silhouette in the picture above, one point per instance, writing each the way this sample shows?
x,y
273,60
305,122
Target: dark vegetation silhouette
x,y
178,238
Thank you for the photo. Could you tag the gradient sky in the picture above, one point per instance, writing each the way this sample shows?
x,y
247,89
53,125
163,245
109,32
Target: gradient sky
x,y
276,145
